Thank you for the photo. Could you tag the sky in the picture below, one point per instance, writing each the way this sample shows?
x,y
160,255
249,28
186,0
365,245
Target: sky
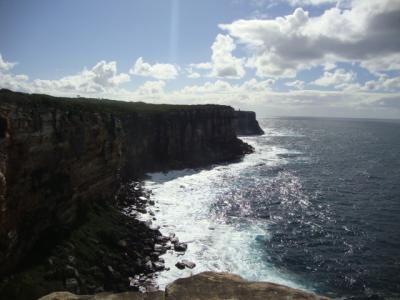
x,y
336,58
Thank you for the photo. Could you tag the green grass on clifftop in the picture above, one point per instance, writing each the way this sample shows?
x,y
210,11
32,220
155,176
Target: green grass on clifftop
x,y
95,105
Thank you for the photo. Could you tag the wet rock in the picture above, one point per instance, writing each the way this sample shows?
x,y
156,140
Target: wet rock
x,y
174,240
149,265
159,266
180,265
185,264
188,264
154,227
181,247
158,247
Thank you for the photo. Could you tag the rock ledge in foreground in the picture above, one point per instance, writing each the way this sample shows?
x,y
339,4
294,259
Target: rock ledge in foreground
x,y
205,286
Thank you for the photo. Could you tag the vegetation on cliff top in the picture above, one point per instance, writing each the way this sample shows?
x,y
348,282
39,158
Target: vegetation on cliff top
x,y
97,105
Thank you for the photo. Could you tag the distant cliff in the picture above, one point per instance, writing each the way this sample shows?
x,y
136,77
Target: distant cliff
x,y
56,154
246,123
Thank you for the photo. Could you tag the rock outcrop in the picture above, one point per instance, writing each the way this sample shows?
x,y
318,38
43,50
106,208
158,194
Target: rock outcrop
x,y
246,123
58,154
206,286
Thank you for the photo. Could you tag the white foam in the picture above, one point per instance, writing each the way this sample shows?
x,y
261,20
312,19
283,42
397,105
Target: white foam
x,y
184,202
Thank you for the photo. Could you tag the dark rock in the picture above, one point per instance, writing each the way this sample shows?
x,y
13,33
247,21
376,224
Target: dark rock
x,y
174,240
71,259
149,265
180,265
122,243
188,264
246,123
158,266
181,247
70,271
72,285
218,286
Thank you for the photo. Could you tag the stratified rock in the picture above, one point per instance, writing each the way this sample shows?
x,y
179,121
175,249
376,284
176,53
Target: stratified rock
x,y
219,286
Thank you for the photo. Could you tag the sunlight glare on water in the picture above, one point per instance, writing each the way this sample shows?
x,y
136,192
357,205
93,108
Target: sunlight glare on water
x,y
208,209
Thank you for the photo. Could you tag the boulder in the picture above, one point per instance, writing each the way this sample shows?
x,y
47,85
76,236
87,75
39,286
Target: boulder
x,y
181,247
204,286
188,264
218,286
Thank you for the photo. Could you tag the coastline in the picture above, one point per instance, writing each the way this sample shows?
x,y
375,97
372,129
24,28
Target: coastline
x,y
79,239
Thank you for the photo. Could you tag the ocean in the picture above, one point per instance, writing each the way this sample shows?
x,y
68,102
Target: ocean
x,y
316,207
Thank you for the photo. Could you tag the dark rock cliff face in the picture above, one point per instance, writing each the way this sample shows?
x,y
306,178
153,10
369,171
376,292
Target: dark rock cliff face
x,y
58,154
246,123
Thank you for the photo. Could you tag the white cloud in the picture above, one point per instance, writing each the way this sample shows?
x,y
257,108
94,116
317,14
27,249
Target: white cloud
x,y
104,81
223,63
310,2
384,83
298,84
14,82
5,66
366,32
204,66
158,71
101,77
253,85
151,88
192,74
336,78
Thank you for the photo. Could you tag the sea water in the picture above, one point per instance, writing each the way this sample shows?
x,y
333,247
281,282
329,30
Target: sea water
x,y
316,207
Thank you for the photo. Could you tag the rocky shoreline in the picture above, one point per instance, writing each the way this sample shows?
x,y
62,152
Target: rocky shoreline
x,y
68,205
111,250
205,286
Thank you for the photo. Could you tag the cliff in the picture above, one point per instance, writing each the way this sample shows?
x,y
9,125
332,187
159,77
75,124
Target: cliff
x,y
245,123
58,154
205,286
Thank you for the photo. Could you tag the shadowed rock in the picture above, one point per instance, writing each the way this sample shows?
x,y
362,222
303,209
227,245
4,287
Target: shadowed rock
x,y
246,123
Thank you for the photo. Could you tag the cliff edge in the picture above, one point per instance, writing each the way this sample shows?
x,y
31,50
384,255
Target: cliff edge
x,y
246,123
59,154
